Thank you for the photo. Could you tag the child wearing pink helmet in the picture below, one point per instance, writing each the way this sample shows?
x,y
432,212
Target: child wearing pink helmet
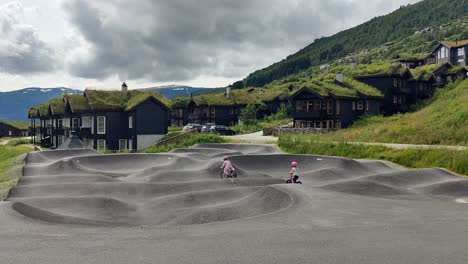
x,y
294,173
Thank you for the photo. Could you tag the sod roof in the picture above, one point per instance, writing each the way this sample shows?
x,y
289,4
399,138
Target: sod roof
x,y
32,113
409,56
456,69
348,88
22,125
455,44
43,109
57,106
237,97
78,103
116,100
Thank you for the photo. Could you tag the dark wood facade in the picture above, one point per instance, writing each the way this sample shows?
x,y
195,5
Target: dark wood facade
x,y
455,53
10,130
398,91
111,128
310,109
227,115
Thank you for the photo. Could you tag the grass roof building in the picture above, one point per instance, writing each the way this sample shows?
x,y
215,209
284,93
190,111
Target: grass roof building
x,y
114,120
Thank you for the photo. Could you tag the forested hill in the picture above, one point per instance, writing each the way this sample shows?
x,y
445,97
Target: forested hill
x,y
380,30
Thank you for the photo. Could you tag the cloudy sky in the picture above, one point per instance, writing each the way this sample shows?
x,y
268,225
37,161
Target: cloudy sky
x,y
87,43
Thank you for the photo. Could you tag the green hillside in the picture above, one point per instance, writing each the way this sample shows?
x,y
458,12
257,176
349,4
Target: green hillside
x,y
389,29
441,120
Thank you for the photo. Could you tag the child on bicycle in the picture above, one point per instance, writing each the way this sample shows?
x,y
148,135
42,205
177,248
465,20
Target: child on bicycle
x,y
294,173
227,167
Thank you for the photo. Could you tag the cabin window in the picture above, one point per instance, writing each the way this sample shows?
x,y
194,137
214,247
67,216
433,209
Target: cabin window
x,y
395,99
101,143
60,123
130,144
86,121
213,112
337,107
329,106
101,125
130,122
301,105
395,82
446,53
317,105
360,105
399,99
60,140
231,110
367,105
122,144
180,112
353,105
10,133
461,51
75,123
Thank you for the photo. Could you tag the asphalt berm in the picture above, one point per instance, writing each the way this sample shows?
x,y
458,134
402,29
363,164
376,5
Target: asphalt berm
x,y
83,207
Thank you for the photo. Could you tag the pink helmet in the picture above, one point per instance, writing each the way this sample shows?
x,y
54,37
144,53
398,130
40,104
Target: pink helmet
x,y
294,164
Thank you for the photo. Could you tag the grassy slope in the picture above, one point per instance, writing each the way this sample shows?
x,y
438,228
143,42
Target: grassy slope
x,y
453,160
444,120
8,160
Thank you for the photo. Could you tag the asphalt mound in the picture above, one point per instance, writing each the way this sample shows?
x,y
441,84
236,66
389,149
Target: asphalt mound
x,y
183,187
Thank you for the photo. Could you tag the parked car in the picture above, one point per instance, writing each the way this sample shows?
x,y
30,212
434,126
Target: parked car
x,y
190,127
222,130
207,127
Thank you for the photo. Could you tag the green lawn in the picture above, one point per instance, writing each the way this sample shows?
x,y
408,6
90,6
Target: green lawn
x,y
8,161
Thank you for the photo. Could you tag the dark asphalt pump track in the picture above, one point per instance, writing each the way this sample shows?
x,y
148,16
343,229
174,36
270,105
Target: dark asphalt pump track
x,y
82,207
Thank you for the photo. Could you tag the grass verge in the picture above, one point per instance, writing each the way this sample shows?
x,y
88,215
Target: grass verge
x,y
454,160
10,166
187,142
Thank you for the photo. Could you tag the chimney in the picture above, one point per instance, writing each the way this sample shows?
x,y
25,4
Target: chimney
x,y
124,88
340,77
228,92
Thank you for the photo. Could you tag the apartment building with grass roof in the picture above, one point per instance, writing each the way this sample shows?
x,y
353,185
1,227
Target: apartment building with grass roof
x,y
106,119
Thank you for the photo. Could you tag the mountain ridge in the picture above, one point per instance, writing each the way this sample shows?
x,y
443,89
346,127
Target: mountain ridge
x,y
400,23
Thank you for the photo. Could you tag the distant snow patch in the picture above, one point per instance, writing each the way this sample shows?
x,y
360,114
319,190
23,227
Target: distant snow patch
x,y
46,90
463,201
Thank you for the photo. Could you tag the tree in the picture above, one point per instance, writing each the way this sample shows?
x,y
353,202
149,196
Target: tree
x,y
249,114
237,85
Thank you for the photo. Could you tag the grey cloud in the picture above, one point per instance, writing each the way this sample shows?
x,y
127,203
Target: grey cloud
x,y
179,40
21,50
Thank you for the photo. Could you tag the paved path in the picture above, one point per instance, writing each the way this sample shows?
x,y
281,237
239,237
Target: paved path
x,y
258,138
78,206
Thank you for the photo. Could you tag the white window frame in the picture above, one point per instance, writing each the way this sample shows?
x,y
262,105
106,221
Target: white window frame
x,y
100,142
59,123
124,141
77,122
10,133
367,105
360,105
101,130
130,144
337,107
130,122
353,105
